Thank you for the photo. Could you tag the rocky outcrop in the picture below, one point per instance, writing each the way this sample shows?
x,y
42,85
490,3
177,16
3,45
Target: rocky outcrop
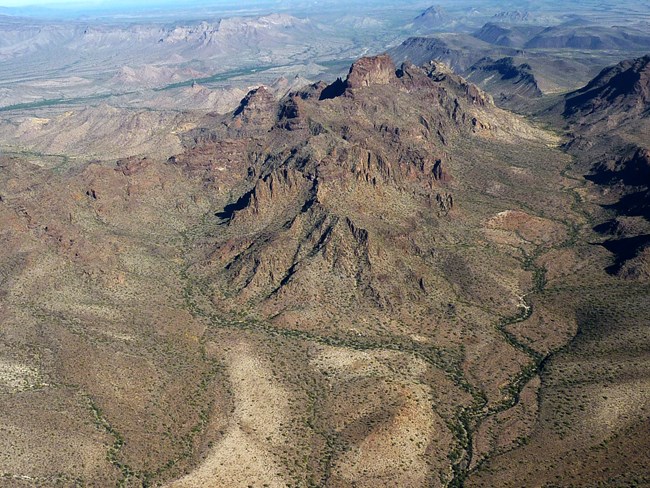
x,y
218,162
514,16
445,202
258,110
132,166
274,194
375,70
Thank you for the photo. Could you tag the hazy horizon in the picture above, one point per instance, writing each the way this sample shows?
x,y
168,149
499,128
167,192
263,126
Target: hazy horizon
x,y
165,9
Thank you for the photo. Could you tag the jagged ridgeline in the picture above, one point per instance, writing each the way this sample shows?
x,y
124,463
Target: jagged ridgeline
x,y
345,184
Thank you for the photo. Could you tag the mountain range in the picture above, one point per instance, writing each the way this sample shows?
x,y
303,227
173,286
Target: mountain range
x,y
295,289
411,273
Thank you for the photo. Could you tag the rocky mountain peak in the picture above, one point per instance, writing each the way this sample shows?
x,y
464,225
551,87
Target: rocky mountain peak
x,y
432,16
258,98
375,70
438,70
258,108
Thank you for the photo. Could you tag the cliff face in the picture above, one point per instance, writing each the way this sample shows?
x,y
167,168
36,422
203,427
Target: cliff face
x,y
377,70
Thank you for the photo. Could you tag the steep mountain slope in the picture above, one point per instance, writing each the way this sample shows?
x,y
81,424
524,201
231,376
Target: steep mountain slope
x,y
507,81
609,120
617,94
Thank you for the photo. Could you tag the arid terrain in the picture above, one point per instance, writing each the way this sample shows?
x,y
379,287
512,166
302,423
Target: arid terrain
x,y
430,268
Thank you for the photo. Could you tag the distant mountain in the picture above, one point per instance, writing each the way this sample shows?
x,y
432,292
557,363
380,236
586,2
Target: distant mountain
x,y
459,51
505,34
590,37
486,64
113,57
19,38
574,34
513,16
433,17
504,78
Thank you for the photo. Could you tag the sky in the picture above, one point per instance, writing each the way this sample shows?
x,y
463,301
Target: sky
x,y
81,8
71,7
142,4
65,3
111,3
36,3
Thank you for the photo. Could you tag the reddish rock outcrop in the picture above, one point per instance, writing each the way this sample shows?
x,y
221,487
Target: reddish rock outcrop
x,y
258,109
375,70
